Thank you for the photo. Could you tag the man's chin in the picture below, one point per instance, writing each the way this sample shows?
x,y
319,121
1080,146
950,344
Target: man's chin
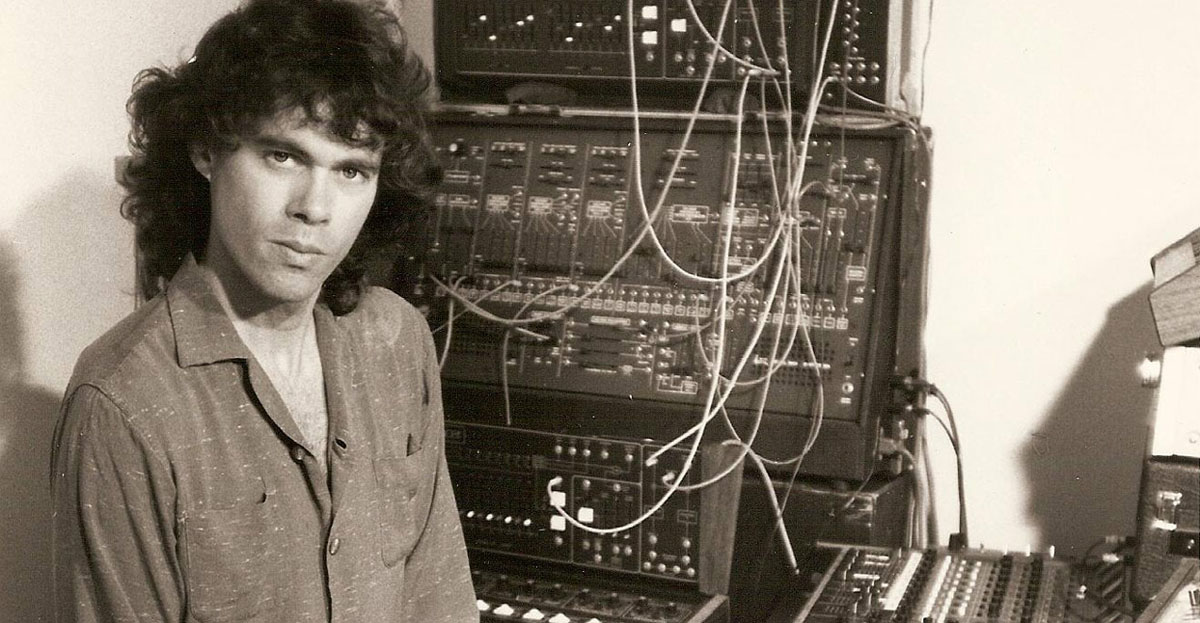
x,y
288,290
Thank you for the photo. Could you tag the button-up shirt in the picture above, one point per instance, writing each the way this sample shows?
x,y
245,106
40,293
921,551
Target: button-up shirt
x,y
182,491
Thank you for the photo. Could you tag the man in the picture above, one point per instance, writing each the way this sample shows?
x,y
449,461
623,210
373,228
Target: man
x,y
263,439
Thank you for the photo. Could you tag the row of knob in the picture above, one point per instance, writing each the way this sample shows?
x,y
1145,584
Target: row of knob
x,y
533,614
642,607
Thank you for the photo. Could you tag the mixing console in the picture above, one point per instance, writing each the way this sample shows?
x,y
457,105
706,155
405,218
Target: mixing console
x,y
876,585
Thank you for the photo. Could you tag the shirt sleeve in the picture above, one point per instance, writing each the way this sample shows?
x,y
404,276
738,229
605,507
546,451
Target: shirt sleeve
x,y
437,579
114,557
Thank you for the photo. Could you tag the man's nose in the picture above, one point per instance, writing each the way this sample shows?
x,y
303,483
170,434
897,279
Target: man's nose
x,y
311,200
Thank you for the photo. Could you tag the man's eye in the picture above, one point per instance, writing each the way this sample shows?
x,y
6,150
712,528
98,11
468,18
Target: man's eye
x,y
280,156
351,173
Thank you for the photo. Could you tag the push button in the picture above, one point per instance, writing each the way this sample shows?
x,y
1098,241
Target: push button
x,y
298,454
334,545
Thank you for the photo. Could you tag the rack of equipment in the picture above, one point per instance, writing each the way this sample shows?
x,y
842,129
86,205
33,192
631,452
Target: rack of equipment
x,y
537,222
485,46
526,497
631,301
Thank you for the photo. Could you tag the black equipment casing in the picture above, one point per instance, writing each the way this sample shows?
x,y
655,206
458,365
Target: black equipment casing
x,y
1168,521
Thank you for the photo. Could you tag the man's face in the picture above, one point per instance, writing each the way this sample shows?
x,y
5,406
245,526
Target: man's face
x,y
287,204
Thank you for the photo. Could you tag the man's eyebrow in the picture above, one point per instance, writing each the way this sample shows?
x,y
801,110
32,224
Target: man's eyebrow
x,y
280,143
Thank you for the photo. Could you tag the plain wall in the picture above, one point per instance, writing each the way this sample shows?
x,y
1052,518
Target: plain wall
x,y
66,256
1065,157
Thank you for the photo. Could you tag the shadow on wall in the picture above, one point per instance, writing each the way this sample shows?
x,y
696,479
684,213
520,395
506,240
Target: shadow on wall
x,y
1084,462
27,415
65,268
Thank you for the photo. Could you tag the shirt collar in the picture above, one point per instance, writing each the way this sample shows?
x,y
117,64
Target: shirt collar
x,y
203,331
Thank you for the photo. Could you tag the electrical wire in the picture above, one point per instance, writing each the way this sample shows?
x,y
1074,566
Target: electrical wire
x,y
449,325
956,440
793,200
674,485
504,350
785,241
720,307
718,48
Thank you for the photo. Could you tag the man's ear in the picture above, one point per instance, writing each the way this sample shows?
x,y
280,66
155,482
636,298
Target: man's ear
x,y
202,159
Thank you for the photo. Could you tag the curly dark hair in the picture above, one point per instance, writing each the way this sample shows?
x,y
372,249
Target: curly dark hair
x,y
345,62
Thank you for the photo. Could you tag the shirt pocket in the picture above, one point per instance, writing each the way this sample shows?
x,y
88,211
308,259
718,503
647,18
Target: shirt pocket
x,y
228,555
404,486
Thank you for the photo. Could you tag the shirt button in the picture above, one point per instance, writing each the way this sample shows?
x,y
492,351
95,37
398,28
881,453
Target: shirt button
x,y
334,544
298,454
